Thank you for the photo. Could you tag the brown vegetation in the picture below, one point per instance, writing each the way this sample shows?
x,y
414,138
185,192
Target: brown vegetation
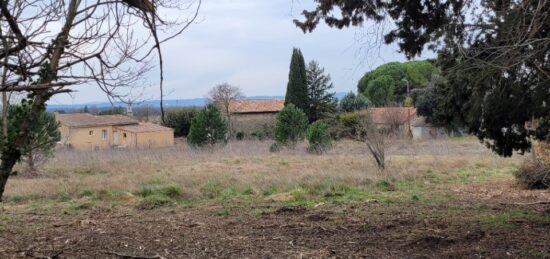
x,y
450,198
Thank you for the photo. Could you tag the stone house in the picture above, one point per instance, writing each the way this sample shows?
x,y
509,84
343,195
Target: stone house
x,y
394,118
84,131
251,116
421,129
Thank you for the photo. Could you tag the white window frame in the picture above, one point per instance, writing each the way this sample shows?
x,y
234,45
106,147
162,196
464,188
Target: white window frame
x,y
104,134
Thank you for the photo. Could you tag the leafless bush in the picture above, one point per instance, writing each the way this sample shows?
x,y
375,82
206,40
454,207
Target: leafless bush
x,y
375,139
534,174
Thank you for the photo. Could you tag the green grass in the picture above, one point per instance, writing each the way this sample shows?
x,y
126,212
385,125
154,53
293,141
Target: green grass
x,y
429,188
511,218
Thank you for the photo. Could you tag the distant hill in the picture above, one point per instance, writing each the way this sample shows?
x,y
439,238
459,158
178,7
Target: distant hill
x,y
198,102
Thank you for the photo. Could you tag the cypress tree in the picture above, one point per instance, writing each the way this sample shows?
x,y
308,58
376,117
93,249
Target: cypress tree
x,y
296,91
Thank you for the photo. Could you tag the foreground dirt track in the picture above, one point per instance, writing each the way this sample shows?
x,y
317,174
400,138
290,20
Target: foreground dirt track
x,y
366,229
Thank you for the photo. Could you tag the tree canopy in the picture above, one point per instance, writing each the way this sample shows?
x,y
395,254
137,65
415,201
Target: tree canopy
x,y
493,55
208,127
322,102
44,134
389,83
352,102
296,91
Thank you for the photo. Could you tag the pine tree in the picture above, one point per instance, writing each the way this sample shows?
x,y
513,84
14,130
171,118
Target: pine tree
x,y
321,101
291,126
296,91
207,128
43,137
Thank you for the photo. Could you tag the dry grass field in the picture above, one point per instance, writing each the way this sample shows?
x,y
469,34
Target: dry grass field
x,y
436,198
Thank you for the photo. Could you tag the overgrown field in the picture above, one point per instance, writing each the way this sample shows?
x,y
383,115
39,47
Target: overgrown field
x,y
445,197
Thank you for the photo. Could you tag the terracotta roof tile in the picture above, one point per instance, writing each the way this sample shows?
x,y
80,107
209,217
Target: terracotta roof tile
x,y
391,115
89,120
144,127
256,106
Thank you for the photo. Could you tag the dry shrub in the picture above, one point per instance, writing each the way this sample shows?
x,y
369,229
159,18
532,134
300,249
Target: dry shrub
x,y
534,174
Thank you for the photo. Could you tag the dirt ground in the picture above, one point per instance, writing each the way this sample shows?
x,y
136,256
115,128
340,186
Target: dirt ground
x,y
365,229
460,202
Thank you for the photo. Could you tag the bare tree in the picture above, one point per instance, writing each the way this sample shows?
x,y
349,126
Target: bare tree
x,y
51,46
222,96
374,138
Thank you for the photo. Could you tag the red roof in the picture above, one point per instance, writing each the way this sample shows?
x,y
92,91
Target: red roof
x,y
90,120
256,106
391,115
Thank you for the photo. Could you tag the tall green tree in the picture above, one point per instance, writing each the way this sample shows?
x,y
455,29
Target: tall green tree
x,y
180,120
296,90
392,82
207,128
493,54
43,138
352,102
322,102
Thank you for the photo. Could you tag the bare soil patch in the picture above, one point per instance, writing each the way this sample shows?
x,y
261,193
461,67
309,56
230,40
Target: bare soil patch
x,y
332,231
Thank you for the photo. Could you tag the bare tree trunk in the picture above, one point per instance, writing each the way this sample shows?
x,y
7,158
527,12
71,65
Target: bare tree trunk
x,y
4,116
30,161
5,171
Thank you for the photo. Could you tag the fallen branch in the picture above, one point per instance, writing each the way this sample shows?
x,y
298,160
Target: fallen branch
x,y
125,256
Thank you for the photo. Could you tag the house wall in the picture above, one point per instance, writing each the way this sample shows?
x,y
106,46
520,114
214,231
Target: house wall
x,y
155,139
425,132
252,122
80,138
146,139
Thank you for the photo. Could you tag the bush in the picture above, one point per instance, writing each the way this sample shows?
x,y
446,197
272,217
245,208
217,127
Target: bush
x,y
239,136
291,126
180,120
351,102
318,137
534,175
265,132
207,128
349,121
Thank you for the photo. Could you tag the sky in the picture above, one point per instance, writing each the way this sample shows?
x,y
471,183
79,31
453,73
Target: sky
x,y
248,43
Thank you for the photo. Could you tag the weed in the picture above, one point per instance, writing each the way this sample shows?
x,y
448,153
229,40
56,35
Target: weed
x,y
223,212
154,201
269,190
85,193
228,193
248,191
384,185
211,190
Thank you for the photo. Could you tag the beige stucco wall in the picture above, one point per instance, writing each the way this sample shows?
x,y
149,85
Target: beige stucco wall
x,y
146,139
80,138
250,123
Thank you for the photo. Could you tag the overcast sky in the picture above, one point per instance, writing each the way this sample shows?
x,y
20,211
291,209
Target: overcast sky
x,y
248,43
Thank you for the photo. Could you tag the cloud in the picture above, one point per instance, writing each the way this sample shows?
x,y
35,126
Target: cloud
x,y
248,43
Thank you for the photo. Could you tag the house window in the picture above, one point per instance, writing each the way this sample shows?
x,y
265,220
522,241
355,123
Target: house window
x,y
91,132
124,135
104,134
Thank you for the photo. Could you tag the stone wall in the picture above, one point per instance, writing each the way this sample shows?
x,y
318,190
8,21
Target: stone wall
x,y
252,122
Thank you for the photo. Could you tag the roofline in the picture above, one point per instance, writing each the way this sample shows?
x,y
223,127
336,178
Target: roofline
x,y
255,112
145,131
98,124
